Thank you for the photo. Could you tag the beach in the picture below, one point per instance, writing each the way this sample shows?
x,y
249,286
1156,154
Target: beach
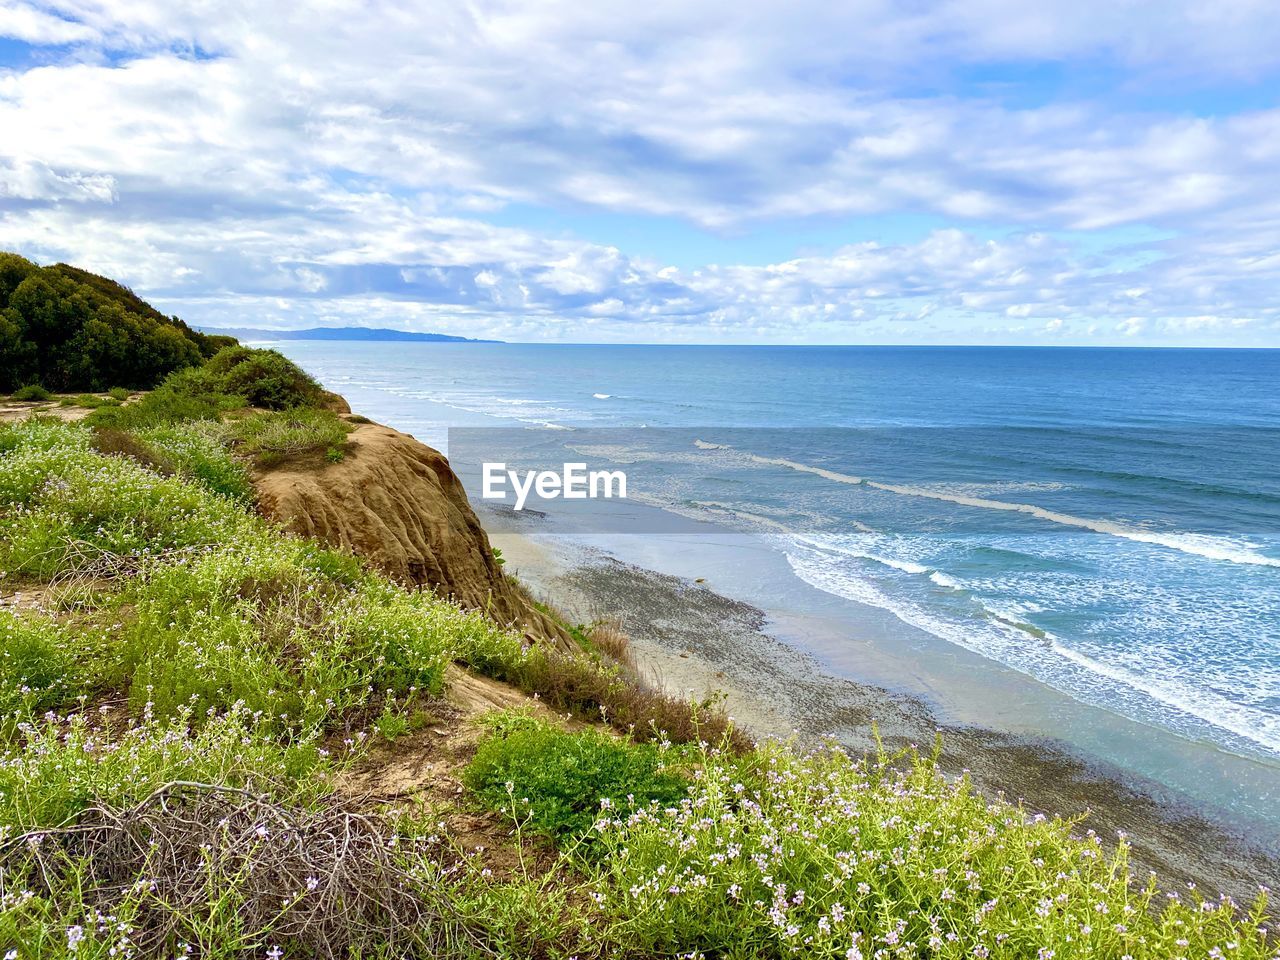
x,y
692,641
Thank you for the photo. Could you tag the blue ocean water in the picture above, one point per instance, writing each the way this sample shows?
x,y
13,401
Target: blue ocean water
x,y
1105,521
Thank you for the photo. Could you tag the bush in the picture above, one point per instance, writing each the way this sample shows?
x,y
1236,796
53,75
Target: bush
x,y
269,438
187,395
32,392
826,856
74,505
118,393
559,783
265,378
72,330
37,670
65,764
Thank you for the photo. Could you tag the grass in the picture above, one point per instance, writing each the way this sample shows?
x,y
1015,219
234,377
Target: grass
x,y
558,783
66,506
269,438
58,766
195,452
32,392
37,670
822,855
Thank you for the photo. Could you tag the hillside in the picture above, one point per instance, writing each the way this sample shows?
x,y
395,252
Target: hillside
x,y
63,328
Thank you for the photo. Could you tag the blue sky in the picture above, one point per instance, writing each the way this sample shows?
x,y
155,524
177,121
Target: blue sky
x,y
932,171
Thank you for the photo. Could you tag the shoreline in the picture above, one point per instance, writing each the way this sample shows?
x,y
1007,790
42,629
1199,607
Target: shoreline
x,y
689,640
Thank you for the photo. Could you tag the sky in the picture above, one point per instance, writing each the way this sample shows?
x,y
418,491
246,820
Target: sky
x,y
1064,172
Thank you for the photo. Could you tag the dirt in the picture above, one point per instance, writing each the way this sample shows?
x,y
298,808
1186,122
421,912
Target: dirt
x,y
420,771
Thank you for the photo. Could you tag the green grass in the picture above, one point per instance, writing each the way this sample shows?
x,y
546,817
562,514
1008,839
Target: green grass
x,y
63,505
32,392
559,783
825,855
184,396
92,401
60,765
198,454
257,622
37,669
269,438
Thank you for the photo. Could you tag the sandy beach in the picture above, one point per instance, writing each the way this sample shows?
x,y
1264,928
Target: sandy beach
x,y
691,640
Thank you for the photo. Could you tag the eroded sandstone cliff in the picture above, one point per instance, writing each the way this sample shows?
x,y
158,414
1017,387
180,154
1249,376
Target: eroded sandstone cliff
x,y
397,503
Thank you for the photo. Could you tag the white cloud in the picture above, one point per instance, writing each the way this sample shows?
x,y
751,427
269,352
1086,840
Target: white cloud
x,y
236,150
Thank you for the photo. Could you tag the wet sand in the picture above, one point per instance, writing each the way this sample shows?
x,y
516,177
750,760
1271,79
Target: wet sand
x,y
690,640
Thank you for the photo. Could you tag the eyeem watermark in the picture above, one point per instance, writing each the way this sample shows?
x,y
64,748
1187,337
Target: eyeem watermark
x,y
573,482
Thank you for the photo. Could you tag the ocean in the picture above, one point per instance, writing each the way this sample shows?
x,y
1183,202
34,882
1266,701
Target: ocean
x,y
1100,526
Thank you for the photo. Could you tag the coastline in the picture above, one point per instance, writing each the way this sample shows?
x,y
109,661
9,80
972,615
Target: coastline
x,y
689,640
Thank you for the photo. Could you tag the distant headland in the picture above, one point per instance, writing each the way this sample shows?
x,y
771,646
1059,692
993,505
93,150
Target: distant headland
x,y
341,333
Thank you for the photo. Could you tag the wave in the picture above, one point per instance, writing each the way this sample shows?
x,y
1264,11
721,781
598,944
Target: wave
x,y
1181,707
1201,545
602,396
492,406
942,580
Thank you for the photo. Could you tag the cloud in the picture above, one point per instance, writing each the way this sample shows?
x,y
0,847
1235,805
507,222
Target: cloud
x,y
233,155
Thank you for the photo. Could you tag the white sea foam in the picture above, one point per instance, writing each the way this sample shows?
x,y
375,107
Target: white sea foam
x,y
942,580
1201,545
602,396
1006,638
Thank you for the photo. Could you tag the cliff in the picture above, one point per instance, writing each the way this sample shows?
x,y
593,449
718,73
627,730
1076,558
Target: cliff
x,y
398,504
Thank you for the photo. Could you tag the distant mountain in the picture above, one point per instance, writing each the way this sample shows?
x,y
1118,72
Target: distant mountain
x,y
342,333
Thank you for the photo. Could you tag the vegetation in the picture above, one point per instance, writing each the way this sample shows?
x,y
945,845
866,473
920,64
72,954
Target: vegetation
x,y
271,437
32,393
264,378
177,720
558,782
68,329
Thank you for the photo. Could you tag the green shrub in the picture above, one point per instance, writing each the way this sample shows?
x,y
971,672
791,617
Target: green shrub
x,y
118,393
37,670
269,438
186,395
265,378
196,452
71,330
32,392
65,764
562,783
826,856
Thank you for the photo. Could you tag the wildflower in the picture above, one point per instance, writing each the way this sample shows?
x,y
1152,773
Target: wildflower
x,y
74,936
275,953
